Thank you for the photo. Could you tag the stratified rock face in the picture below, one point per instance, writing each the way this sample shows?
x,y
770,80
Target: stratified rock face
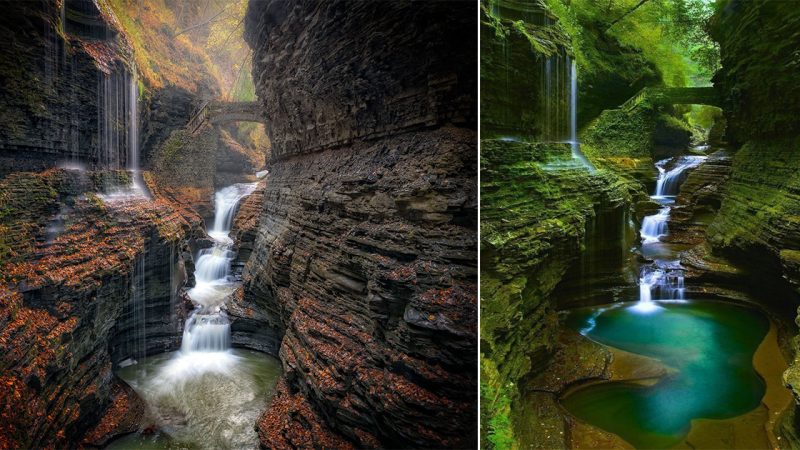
x,y
75,276
365,257
759,74
369,69
700,198
758,225
64,85
534,223
521,44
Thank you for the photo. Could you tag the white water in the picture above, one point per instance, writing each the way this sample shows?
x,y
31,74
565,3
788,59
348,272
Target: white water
x,y
655,227
663,278
208,328
136,190
573,118
225,202
668,182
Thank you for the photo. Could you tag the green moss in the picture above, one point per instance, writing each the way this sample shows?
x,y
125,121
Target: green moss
x,y
496,398
511,53
762,206
533,221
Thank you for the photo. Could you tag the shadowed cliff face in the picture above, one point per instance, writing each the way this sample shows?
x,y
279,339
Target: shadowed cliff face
x,y
757,223
332,73
365,255
72,304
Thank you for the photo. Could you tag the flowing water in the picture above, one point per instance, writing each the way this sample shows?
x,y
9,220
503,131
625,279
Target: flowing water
x,y
709,344
203,400
665,275
206,394
121,106
573,119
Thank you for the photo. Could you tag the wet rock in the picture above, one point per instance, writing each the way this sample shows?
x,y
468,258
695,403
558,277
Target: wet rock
x,y
73,308
699,199
365,248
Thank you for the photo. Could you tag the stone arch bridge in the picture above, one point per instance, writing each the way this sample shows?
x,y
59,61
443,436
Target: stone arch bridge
x,y
219,112
674,96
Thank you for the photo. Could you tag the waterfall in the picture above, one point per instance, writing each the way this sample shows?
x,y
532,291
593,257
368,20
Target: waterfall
x,y
655,226
646,282
667,280
573,117
213,264
121,106
225,202
208,329
133,123
206,333
669,181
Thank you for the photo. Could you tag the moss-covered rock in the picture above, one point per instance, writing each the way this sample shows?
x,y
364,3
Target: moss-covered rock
x,y
517,49
534,215
759,72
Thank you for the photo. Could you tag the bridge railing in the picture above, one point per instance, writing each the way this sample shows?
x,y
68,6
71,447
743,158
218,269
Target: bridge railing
x,y
199,117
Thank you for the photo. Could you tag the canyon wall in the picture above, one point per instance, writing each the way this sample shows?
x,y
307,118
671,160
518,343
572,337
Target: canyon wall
x,y
758,222
59,55
364,262
85,286
541,215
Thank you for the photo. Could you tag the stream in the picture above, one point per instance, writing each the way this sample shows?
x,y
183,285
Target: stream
x,y
706,347
207,394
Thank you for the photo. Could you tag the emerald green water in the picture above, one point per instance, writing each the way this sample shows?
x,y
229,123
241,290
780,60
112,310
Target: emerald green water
x,y
711,344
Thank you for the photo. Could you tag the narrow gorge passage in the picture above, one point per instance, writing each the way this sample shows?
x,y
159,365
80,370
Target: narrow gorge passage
x,y
707,348
639,231
206,394
238,224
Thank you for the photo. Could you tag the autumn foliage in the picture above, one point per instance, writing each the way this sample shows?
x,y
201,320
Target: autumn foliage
x,y
50,281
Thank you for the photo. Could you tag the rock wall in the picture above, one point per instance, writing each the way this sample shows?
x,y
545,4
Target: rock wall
x,y
365,257
67,75
73,304
757,225
521,44
758,75
59,55
535,225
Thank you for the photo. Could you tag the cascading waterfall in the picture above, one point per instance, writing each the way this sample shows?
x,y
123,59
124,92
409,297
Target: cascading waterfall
x,y
207,394
573,117
654,227
669,181
117,110
225,201
663,278
208,328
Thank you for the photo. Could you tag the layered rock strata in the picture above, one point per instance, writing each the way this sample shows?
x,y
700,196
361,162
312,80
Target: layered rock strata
x,y
54,62
365,257
757,225
699,199
73,304
531,244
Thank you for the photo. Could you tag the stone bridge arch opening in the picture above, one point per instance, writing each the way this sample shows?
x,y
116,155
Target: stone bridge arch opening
x,y
217,112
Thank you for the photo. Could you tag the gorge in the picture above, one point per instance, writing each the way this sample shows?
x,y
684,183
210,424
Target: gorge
x,y
645,298
221,227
